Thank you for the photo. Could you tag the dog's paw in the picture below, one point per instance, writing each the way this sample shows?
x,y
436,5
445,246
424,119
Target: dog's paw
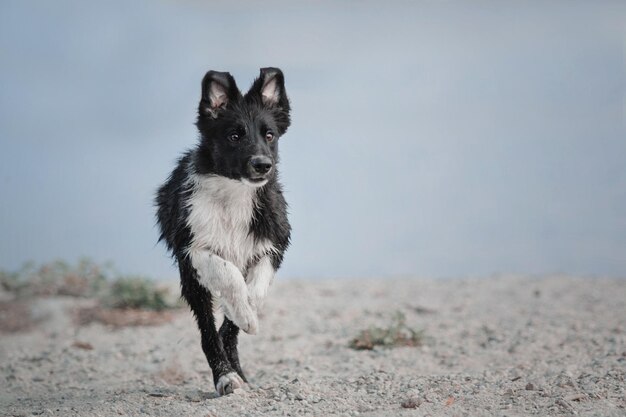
x,y
256,298
245,317
228,383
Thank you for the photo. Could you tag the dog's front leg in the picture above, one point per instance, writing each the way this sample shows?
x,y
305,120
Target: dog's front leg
x,y
225,282
259,279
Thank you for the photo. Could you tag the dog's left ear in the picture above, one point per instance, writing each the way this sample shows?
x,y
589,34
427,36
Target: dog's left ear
x,y
270,88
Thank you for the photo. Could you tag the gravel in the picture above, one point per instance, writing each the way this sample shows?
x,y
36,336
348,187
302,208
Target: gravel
x,y
513,346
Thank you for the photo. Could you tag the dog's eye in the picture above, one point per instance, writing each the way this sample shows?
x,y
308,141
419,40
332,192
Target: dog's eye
x,y
269,136
234,137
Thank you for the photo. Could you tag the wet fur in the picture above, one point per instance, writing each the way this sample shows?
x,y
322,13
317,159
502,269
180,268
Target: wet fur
x,y
225,226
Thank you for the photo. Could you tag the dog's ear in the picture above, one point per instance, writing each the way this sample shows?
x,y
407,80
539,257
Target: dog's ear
x,y
269,91
270,88
218,90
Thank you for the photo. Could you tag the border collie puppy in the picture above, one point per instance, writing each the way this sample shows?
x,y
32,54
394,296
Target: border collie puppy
x,y
223,216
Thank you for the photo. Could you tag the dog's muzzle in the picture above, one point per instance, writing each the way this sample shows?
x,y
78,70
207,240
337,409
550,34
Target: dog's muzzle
x,y
259,167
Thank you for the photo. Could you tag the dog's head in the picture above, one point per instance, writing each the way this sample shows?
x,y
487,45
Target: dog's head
x,y
239,133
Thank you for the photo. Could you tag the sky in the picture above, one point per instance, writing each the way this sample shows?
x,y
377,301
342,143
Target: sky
x,y
428,138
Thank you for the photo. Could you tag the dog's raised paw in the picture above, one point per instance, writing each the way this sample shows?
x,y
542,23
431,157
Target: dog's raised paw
x,y
228,383
253,322
245,317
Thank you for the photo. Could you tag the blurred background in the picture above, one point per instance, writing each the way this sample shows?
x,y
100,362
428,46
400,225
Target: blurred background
x,y
429,138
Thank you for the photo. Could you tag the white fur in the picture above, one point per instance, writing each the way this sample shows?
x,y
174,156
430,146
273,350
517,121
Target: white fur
x,y
228,383
218,313
227,287
254,184
220,213
259,279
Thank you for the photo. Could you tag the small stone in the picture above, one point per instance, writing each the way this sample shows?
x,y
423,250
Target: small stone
x,y
530,387
411,402
575,397
82,345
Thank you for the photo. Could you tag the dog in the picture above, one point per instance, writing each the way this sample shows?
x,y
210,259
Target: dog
x,y
223,217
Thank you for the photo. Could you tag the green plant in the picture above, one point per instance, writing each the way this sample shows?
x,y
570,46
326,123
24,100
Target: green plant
x,y
138,292
396,334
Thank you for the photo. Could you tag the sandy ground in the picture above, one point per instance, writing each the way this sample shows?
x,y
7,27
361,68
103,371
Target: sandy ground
x,y
504,346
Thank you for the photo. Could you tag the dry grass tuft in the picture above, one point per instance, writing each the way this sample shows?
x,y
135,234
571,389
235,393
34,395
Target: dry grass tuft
x,y
121,300
395,335
85,279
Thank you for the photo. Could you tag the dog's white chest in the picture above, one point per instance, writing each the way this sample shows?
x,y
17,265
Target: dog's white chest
x,y
220,214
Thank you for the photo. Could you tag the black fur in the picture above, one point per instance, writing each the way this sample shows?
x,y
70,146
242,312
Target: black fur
x,y
233,129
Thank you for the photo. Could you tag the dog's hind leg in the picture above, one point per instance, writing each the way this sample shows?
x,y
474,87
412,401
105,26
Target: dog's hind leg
x,y
226,380
229,332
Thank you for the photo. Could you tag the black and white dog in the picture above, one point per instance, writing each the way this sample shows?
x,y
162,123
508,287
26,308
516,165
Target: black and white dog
x,y
223,216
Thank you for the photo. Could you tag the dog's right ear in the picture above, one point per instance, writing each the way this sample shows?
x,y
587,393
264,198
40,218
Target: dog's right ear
x,y
218,90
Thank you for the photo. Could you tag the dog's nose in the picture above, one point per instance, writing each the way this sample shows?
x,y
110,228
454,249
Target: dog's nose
x,y
261,164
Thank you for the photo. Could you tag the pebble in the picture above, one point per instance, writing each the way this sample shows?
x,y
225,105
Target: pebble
x,y
411,402
575,397
195,398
